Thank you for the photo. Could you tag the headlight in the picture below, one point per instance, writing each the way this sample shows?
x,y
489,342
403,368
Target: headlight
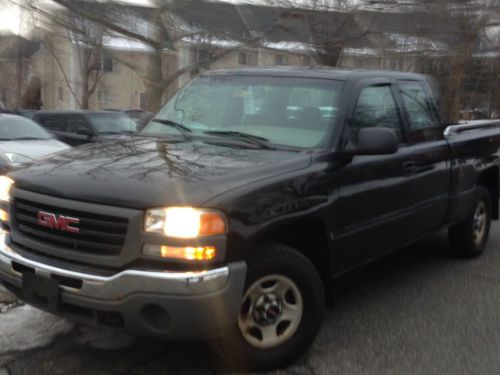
x,y
17,158
185,222
5,188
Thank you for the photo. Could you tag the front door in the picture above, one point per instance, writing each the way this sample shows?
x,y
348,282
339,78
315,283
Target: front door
x,y
376,200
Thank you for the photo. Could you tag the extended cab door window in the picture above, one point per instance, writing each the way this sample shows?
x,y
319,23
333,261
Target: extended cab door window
x,y
420,112
376,107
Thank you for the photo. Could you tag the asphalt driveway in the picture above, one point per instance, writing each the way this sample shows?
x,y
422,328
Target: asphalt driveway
x,y
419,311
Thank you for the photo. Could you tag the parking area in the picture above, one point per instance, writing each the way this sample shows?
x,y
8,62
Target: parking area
x,y
419,311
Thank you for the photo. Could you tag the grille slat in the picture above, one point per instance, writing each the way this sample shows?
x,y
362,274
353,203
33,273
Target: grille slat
x,y
109,237
98,234
90,221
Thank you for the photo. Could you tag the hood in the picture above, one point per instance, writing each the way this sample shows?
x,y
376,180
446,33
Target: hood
x,y
34,149
144,172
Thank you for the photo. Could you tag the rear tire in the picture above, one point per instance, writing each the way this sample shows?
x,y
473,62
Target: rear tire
x,y
281,311
468,239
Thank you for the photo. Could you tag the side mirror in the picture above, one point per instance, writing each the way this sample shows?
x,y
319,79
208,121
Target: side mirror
x,y
84,131
374,141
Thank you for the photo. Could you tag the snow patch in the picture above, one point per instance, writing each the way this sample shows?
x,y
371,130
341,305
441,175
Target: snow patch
x,y
26,327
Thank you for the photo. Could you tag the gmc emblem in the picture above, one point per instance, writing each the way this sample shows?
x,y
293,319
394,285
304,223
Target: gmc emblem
x,y
59,222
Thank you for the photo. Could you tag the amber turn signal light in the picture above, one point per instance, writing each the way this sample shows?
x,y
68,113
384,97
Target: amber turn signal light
x,y
190,253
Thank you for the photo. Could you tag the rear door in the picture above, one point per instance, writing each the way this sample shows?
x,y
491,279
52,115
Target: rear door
x,y
376,200
431,155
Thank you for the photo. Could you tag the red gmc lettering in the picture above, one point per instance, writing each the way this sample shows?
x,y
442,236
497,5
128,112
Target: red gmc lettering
x,y
59,222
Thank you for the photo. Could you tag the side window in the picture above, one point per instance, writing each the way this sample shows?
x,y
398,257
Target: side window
x,y
53,122
76,122
376,107
422,119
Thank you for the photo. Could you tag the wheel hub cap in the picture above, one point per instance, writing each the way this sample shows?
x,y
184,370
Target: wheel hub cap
x,y
271,311
479,223
267,309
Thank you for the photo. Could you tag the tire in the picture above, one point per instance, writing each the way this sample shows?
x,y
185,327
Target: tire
x,y
280,283
468,239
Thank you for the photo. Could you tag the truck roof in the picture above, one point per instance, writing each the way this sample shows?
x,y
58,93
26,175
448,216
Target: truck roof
x,y
340,74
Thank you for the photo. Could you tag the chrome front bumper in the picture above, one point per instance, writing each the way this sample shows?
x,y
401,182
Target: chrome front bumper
x,y
185,296
124,283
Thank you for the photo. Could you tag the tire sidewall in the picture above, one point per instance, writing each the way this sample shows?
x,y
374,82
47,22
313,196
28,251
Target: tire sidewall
x,y
483,195
298,269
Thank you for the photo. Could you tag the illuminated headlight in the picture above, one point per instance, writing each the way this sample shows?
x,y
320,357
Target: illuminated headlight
x,y
185,222
5,188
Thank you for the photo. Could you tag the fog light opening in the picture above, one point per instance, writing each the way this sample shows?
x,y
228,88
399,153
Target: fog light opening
x,y
155,317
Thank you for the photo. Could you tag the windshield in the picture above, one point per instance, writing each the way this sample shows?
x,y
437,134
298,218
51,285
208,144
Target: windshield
x,y
20,128
295,112
112,123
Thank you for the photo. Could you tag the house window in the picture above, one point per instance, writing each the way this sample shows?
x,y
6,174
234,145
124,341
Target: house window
x,y
242,58
143,101
107,64
103,63
202,55
102,97
60,94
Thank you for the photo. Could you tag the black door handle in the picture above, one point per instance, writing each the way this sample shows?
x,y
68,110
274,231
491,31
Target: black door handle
x,y
409,167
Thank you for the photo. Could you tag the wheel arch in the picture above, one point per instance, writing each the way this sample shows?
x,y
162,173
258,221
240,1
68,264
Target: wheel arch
x,y
309,236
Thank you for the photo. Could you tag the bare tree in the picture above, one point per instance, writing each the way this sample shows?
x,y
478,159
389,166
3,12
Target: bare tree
x,y
327,27
459,27
160,31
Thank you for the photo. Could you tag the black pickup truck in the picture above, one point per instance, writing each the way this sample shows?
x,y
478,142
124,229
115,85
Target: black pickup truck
x,y
229,214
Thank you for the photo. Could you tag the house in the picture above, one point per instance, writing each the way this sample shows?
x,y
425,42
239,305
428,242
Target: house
x,y
87,65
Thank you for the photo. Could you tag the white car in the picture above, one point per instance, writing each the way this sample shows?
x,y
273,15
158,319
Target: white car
x,y
23,141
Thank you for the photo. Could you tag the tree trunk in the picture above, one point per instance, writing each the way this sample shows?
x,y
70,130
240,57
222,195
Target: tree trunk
x,y
154,82
84,101
85,70
452,95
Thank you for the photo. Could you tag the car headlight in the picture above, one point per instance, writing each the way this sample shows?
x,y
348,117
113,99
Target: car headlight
x,y
17,158
185,222
5,188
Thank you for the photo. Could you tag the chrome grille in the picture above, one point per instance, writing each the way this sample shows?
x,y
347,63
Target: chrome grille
x,y
98,234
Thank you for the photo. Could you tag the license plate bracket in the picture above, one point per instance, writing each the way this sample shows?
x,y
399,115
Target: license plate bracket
x,y
41,290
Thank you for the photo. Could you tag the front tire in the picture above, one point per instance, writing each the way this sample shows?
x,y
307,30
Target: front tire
x,y
468,239
281,311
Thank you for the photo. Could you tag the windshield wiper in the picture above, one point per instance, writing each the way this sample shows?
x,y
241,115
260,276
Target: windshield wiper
x,y
117,132
28,139
254,139
183,129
